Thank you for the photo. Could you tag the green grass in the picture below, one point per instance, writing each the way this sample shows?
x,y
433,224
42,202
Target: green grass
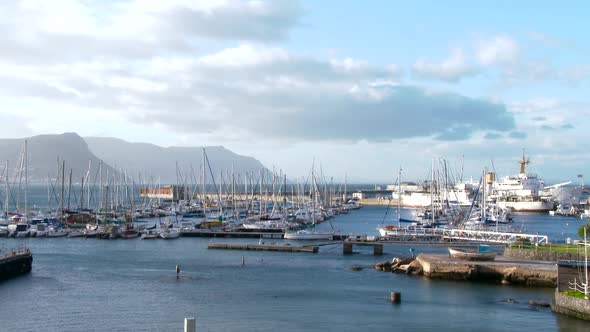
x,y
574,293
569,248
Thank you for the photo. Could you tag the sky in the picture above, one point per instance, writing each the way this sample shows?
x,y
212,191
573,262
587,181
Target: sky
x,y
355,87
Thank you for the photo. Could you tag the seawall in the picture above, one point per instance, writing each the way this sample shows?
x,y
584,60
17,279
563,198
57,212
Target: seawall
x,y
539,255
15,263
571,306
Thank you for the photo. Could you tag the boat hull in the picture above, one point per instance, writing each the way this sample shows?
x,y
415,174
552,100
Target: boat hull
x,y
472,255
534,206
308,236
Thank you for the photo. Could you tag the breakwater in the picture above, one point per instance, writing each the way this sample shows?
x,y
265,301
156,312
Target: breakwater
x,y
502,271
14,263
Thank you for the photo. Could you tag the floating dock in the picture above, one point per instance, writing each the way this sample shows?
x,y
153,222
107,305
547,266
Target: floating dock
x,y
14,263
263,247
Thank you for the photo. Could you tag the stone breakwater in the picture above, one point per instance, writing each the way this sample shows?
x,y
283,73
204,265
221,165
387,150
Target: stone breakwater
x,y
501,271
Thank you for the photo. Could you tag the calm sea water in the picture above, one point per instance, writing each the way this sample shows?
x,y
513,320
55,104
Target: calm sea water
x,y
130,285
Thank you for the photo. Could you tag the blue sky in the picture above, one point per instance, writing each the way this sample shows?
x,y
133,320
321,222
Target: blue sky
x,y
361,86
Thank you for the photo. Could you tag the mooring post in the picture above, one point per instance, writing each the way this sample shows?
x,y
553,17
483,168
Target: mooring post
x,y
396,297
346,248
378,249
190,324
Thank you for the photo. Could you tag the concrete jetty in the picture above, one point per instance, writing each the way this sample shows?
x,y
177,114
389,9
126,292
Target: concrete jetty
x,y
14,263
263,247
504,270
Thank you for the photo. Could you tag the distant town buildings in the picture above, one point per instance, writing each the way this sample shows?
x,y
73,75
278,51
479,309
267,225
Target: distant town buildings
x,y
168,193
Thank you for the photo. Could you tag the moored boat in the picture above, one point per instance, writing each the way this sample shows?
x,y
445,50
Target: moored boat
x,y
306,234
170,234
481,253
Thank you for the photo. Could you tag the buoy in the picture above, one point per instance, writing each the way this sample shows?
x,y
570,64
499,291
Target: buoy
x,y
177,270
396,297
243,261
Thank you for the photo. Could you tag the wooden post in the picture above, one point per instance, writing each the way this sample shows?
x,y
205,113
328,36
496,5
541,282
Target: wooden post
x,y
396,297
378,249
346,248
190,324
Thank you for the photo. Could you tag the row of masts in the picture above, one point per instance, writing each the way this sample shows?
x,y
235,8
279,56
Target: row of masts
x,y
108,190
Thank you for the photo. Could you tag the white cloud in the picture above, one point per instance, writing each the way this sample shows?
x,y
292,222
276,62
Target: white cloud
x,y
245,55
262,92
452,69
63,31
499,50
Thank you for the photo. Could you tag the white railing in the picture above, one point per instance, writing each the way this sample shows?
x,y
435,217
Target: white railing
x,y
491,236
446,234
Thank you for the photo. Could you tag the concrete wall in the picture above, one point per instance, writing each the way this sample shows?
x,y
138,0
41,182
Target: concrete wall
x,y
539,255
571,306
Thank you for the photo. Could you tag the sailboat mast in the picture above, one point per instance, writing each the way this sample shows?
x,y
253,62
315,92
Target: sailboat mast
x,y
432,193
483,203
61,197
203,174
26,180
313,196
399,196
69,188
6,192
345,184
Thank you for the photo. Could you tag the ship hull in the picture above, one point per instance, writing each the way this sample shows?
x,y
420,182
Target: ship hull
x,y
534,206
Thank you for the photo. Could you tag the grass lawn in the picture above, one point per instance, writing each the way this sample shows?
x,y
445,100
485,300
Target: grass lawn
x,y
574,293
561,247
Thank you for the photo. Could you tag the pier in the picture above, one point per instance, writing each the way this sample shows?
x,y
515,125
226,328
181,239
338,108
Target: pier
x,y
14,263
348,245
263,247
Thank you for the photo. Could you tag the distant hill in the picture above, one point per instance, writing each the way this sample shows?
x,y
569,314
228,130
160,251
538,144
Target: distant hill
x,y
155,161
43,152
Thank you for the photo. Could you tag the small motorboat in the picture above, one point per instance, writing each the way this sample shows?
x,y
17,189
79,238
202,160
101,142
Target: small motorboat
x,y
481,253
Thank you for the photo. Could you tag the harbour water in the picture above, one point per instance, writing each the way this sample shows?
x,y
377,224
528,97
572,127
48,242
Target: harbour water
x,y
131,285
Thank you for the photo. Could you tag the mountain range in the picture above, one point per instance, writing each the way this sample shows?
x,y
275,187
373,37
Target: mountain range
x,y
81,155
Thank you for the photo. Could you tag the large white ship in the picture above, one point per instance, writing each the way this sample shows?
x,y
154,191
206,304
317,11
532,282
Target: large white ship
x,y
460,194
522,192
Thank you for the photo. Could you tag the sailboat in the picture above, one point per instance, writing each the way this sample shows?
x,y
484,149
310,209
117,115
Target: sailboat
x,y
311,233
151,233
387,230
170,233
